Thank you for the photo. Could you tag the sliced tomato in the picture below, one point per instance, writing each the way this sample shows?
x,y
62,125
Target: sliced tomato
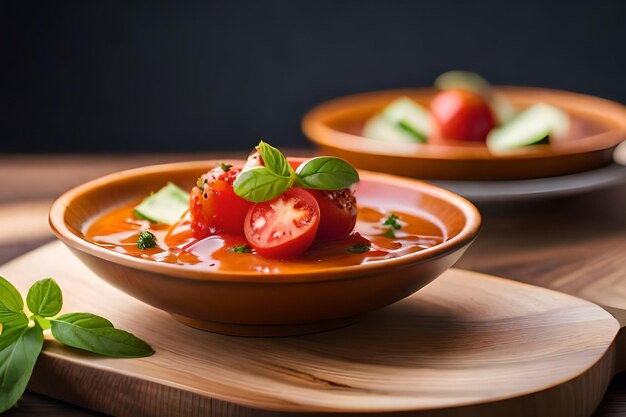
x,y
214,206
285,226
337,213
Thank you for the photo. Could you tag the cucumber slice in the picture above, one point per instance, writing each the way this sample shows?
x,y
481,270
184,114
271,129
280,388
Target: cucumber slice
x,y
165,206
502,108
530,127
470,81
401,121
463,80
380,128
410,117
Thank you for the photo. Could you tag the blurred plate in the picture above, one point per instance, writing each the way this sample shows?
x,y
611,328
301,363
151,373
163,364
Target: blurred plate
x,y
535,189
597,126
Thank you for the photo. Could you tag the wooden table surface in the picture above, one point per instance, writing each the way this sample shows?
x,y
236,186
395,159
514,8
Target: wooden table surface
x,y
576,245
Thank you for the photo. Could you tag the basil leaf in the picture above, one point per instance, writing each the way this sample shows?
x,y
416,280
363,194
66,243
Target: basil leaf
x,y
45,298
326,173
260,184
96,334
274,160
12,317
11,326
10,298
86,320
16,365
43,322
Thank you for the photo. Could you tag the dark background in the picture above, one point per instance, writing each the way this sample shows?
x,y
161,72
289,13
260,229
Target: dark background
x,y
183,76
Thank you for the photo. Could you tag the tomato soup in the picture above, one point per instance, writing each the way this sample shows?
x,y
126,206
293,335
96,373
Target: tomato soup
x,y
118,230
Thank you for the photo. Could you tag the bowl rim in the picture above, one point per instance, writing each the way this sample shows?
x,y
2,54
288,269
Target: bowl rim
x,y
315,128
61,229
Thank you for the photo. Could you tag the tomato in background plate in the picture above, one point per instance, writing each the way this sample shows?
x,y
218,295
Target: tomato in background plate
x,y
214,206
285,226
462,115
337,213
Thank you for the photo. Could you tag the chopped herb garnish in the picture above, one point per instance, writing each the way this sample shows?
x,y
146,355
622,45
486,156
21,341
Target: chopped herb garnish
x,y
201,183
240,249
225,167
146,240
360,248
392,220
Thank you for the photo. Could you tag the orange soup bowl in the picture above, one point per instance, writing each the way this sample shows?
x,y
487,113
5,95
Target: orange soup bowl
x,y
597,126
252,303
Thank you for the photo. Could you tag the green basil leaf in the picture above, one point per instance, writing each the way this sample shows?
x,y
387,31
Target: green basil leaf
x,y
10,298
45,298
326,173
274,160
95,334
260,184
13,324
16,365
43,322
85,320
12,317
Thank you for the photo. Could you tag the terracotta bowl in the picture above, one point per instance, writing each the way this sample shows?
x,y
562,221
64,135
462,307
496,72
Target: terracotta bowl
x,y
597,127
252,303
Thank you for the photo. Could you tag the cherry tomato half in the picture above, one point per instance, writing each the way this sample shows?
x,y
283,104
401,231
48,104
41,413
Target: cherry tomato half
x,y
462,115
337,213
283,227
214,206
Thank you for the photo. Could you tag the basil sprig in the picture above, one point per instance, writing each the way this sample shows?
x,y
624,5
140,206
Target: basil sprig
x,y
274,160
21,336
276,176
95,334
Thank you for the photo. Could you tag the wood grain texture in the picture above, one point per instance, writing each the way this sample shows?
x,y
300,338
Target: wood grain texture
x,y
537,242
465,340
577,246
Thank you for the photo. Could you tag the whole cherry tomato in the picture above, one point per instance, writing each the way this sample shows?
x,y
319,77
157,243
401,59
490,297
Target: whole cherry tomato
x,y
214,206
337,213
462,115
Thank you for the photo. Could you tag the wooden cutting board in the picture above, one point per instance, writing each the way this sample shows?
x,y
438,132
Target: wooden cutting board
x,y
466,345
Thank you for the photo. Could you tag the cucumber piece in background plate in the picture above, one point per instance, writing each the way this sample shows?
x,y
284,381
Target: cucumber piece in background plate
x,y
166,206
401,121
530,127
470,81
463,80
381,129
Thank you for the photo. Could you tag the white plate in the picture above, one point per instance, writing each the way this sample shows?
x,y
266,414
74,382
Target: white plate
x,y
541,188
